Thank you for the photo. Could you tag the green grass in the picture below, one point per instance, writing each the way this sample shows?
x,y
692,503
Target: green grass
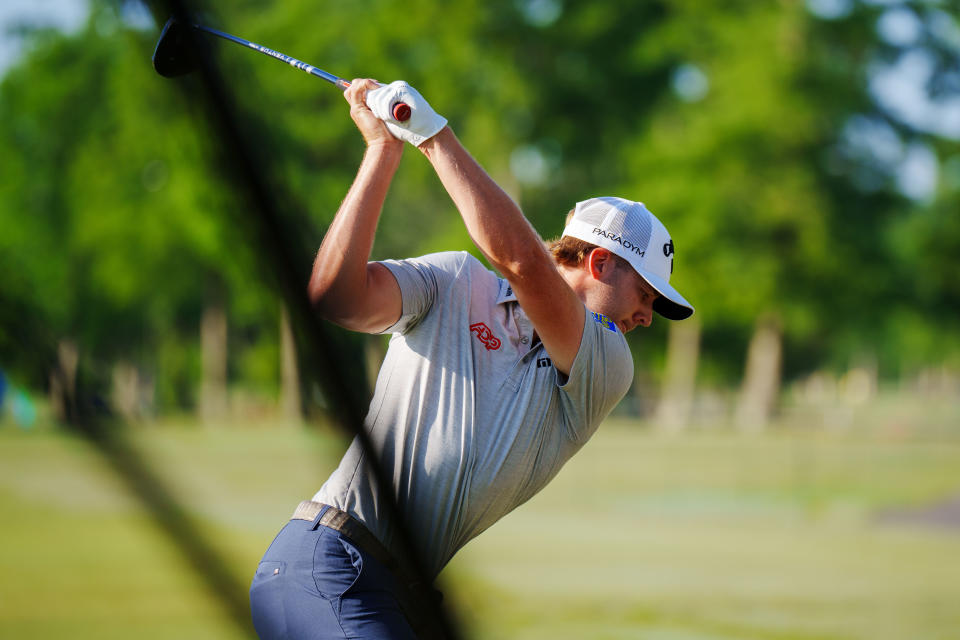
x,y
699,537
726,538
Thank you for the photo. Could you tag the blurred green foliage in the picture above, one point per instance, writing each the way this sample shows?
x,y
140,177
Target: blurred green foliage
x,y
732,121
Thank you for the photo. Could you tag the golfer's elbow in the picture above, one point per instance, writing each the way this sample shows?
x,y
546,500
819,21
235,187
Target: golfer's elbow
x,y
329,305
323,294
350,316
368,301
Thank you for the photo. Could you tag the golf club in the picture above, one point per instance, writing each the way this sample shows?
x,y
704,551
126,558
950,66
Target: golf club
x,y
175,55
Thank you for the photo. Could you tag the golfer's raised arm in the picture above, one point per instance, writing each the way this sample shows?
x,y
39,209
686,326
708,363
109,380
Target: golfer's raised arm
x,y
513,247
344,287
494,221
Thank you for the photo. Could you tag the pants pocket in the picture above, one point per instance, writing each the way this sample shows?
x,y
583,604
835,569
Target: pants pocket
x,y
336,565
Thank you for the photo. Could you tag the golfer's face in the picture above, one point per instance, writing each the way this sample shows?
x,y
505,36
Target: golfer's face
x,y
624,297
638,302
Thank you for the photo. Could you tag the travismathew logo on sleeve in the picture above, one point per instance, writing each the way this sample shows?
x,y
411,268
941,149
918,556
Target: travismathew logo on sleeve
x,y
604,320
623,242
483,333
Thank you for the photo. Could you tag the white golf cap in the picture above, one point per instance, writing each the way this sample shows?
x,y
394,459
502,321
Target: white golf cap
x,y
629,230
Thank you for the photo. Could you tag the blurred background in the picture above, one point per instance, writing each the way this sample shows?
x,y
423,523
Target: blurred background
x,y
787,464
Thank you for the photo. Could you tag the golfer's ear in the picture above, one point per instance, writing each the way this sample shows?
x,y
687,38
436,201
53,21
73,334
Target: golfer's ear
x,y
599,263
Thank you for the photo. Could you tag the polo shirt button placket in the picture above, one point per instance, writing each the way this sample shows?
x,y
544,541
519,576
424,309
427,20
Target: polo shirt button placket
x,y
523,326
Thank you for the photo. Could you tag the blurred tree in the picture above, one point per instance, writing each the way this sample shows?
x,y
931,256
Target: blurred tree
x,y
889,75
113,220
751,129
43,278
782,219
725,159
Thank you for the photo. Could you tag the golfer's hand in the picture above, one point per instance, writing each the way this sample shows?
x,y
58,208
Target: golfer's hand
x,y
374,129
424,122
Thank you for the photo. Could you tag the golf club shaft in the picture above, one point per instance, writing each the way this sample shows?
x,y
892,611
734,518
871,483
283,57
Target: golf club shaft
x,y
400,111
293,62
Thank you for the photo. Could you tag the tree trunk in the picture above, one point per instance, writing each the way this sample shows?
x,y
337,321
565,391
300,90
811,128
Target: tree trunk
x,y
213,347
676,396
125,394
761,381
63,381
291,406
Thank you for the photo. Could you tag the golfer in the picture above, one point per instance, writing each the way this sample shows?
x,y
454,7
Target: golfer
x,y
490,383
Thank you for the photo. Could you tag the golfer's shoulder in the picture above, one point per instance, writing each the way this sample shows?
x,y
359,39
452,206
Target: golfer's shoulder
x,y
439,271
453,265
440,260
612,352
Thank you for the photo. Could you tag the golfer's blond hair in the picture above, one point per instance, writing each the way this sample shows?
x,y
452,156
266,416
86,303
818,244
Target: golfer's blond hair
x,y
571,252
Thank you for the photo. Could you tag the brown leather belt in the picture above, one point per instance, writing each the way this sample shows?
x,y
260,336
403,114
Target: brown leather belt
x,y
413,595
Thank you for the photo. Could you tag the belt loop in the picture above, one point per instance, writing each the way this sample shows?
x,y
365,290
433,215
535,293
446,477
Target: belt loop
x,y
316,521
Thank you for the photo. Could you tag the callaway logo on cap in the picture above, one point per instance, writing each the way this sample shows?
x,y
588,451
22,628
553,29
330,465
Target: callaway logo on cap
x,y
629,230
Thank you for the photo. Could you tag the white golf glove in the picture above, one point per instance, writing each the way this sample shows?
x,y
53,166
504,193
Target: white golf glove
x,y
424,122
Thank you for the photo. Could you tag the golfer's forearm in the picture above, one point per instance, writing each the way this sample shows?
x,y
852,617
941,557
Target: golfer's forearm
x,y
493,219
339,277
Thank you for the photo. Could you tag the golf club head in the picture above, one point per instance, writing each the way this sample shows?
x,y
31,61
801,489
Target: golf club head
x,y
176,53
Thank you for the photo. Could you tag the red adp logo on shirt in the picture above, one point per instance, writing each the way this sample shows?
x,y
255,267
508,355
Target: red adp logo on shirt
x,y
483,333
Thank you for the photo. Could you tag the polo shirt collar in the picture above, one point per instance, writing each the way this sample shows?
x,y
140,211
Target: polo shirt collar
x,y
506,292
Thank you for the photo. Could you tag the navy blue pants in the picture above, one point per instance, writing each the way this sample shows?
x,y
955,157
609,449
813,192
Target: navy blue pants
x,y
314,584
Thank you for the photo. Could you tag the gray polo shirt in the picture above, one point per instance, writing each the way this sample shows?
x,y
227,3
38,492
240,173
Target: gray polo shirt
x,y
469,417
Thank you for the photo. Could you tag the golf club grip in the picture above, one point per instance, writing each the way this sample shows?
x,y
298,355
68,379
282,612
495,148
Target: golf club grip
x,y
400,111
